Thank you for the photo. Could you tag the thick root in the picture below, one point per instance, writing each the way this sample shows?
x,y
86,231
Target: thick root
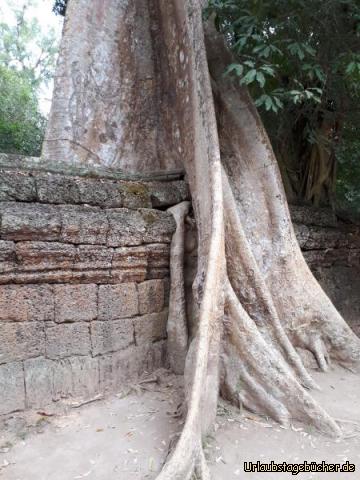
x,y
256,372
177,330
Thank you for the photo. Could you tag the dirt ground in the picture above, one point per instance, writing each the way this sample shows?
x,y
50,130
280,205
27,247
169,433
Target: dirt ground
x,y
126,437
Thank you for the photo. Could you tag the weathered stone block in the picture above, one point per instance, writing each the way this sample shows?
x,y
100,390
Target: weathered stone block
x,y
85,376
12,391
135,194
130,257
74,303
38,381
57,189
75,377
19,341
67,339
151,296
84,225
93,257
167,194
150,328
22,303
62,379
121,367
117,368
129,275
118,301
17,186
126,227
100,192
45,255
7,256
111,336
29,222
158,255
159,226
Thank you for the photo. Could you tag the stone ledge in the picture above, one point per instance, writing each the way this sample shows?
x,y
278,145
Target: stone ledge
x,y
84,225
26,179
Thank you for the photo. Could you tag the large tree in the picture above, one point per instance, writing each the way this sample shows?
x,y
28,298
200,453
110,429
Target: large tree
x,y
140,87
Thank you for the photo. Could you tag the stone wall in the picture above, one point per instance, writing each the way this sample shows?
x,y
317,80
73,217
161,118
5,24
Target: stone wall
x,y
84,278
331,248
84,267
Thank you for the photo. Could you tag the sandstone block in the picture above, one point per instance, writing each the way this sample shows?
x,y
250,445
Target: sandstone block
x,y
62,379
111,336
67,339
117,368
126,227
100,192
74,303
39,382
7,256
130,257
19,341
12,391
84,225
151,296
17,186
167,194
76,377
85,376
57,189
118,301
29,222
21,303
150,328
45,256
120,367
93,257
135,194
159,226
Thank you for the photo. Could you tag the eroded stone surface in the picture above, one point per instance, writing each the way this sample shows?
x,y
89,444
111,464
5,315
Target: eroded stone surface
x,y
75,303
12,391
21,340
67,339
118,301
26,303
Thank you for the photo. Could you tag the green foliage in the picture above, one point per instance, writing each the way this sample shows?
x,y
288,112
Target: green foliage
x,y
21,125
301,62
348,181
292,51
26,48
27,64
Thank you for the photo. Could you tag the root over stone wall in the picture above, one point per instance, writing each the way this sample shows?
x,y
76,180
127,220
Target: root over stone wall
x,y
84,278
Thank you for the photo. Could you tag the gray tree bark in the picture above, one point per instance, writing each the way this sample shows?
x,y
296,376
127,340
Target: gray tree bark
x,y
139,87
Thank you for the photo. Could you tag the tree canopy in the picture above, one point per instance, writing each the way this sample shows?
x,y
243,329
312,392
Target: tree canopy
x,y
27,63
301,60
21,124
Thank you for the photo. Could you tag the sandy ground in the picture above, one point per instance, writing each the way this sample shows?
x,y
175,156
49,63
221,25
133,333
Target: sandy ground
x,y
126,437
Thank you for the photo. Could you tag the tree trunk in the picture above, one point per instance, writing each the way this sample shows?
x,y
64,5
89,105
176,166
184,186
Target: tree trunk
x,y
140,87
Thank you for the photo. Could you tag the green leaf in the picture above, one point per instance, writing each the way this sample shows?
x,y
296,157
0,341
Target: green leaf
x,y
260,79
236,68
249,77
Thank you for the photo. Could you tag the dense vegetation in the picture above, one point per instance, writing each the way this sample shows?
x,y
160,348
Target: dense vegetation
x,y
27,62
301,61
